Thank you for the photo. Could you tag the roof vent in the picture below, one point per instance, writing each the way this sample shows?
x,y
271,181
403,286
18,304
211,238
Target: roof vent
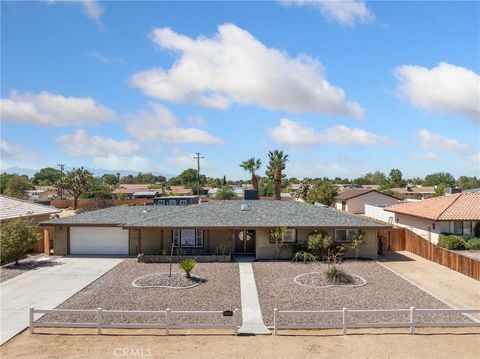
x,y
245,206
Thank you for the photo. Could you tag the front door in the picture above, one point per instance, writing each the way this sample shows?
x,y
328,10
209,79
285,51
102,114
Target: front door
x,y
245,241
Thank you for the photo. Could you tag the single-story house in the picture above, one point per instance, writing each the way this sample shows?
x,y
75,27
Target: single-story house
x,y
354,200
175,200
145,194
239,227
13,208
457,213
414,192
128,190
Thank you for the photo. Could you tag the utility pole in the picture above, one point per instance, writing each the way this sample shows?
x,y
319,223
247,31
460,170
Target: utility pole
x,y
198,157
62,166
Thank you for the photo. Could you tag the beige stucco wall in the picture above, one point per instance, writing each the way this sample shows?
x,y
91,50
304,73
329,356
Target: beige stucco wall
x,y
151,241
133,242
422,227
60,241
216,237
357,204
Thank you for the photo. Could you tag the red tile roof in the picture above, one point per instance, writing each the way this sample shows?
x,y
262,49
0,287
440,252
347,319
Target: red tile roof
x,y
455,207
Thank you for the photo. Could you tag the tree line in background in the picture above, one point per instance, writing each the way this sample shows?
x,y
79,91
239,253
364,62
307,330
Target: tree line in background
x,y
80,183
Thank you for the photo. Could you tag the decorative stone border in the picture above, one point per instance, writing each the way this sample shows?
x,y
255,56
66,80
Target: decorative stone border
x,y
155,258
364,282
199,281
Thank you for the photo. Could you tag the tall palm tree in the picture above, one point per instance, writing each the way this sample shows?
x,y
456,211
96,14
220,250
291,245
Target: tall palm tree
x,y
277,162
252,165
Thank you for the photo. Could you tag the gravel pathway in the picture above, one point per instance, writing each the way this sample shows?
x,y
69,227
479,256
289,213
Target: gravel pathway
x,y
10,271
219,291
384,290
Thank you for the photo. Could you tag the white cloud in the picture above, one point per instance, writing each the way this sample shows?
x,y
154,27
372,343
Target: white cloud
x,y
446,89
91,8
472,162
81,143
52,110
235,67
425,156
294,133
431,140
344,12
162,125
132,163
14,152
316,167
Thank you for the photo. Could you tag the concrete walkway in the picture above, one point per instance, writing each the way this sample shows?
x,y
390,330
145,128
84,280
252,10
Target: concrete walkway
x,y
453,287
251,312
46,288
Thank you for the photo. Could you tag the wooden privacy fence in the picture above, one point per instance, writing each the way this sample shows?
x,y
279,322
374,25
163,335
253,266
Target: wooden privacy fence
x,y
100,323
93,203
403,239
410,313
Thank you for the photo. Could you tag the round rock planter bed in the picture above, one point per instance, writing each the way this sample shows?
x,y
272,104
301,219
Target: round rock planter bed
x,y
319,280
163,280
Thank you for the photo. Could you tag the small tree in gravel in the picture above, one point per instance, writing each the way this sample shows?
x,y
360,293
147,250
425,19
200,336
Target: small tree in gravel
x,y
357,241
187,265
318,244
278,237
17,237
338,276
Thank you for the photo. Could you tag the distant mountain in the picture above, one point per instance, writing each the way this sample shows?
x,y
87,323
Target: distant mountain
x,y
96,171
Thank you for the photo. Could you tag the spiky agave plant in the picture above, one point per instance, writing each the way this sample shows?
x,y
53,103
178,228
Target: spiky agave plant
x,y
187,265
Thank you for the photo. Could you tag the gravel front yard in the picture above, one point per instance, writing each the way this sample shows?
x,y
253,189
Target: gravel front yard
x,y
384,290
34,261
114,291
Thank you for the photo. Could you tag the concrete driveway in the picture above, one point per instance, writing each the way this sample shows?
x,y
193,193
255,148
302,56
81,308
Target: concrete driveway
x,y
46,288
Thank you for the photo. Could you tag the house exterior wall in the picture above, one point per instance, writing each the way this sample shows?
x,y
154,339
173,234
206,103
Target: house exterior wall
x,y
151,241
60,241
356,205
338,205
421,226
134,242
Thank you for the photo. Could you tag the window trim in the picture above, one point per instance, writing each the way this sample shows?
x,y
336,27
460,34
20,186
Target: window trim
x,y
161,202
183,202
347,234
177,238
462,228
288,229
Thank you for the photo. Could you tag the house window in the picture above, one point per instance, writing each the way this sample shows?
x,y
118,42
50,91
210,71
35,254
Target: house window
x,y
183,202
433,226
172,202
188,238
289,237
345,235
161,202
462,228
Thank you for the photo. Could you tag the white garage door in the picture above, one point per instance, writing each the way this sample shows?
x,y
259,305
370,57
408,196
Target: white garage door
x,y
98,240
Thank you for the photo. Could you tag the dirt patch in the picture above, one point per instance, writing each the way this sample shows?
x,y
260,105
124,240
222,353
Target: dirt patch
x,y
219,291
458,343
384,290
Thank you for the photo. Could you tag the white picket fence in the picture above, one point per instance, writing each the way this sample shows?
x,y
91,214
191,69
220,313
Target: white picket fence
x,y
100,323
411,312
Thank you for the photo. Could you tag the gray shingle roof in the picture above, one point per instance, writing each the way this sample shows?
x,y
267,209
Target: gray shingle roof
x,y
223,214
14,208
117,215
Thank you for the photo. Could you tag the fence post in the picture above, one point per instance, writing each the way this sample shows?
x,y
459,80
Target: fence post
x,y
99,320
275,313
32,319
412,320
167,319
344,321
235,320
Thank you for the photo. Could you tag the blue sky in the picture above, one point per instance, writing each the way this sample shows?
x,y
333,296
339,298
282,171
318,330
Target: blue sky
x,y
344,88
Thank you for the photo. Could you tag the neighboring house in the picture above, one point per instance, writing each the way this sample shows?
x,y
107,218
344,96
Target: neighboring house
x,y
456,213
145,194
180,190
354,200
239,227
12,208
128,190
413,192
43,194
238,191
175,200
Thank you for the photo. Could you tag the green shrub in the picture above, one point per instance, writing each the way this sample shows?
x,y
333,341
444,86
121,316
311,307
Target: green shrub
x,y
187,265
17,238
305,257
318,244
473,243
338,276
451,242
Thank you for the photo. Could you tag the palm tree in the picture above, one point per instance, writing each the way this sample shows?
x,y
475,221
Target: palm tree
x,y
252,165
277,162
